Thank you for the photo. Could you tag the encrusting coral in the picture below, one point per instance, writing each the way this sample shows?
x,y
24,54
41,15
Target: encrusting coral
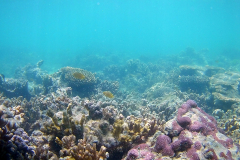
x,y
192,135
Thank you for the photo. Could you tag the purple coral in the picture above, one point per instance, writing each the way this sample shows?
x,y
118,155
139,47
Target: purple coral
x,y
167,151
197,145
183,121
176,128
192,103
181,144
132,154
161,142
141,146
196,127
163,145
192,154
184,108
20,144
229,143
146,154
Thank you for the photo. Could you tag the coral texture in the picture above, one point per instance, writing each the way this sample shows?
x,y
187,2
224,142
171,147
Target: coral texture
x,y
199,138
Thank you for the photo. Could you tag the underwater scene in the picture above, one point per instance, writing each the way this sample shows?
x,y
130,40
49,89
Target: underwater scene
x,y
120,80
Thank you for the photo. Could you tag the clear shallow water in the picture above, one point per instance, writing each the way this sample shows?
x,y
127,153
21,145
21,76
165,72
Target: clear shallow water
x,y
66,32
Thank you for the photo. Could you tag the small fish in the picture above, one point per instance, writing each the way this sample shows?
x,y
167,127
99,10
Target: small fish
x,y
108,94
2,75
78,75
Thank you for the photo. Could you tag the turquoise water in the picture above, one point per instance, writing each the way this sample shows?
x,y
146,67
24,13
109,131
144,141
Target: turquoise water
x,y
65,33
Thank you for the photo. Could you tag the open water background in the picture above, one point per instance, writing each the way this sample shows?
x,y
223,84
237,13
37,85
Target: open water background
x,y
64,33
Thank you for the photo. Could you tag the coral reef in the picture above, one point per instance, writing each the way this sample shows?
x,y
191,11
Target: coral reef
x,y
229,122
82,150
115,72
225,89
15,88
192,134
14,142
83,87
68,78
109,86
198,84
186,70
63,124
210,70
39,82
158,90
68,114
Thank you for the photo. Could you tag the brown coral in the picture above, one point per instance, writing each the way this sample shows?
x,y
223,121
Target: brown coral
x,y
81,151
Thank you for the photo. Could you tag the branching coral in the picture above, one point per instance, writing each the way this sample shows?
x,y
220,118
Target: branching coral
x,y
66,126
81,151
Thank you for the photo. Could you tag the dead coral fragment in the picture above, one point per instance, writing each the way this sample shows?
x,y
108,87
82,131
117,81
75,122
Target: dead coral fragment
x,y
78,75
108,94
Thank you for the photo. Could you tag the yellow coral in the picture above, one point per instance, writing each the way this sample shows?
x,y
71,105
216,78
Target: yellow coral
x,y
125,138
58,141
117,128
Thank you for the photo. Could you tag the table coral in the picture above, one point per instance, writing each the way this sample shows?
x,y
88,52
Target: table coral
x,y
85,86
